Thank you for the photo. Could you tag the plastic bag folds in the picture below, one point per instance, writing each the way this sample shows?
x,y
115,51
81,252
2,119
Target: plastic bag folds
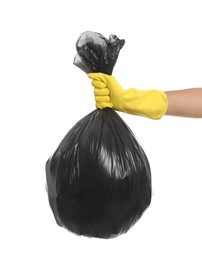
x,y
99,178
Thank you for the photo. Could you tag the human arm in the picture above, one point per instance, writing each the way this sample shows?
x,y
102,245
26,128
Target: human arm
x,y
185,103
150,103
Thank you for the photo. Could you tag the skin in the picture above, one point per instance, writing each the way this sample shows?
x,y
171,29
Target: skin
x,y
185,103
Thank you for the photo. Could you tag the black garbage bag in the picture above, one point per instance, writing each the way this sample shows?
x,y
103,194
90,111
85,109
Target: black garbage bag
x,y
98,179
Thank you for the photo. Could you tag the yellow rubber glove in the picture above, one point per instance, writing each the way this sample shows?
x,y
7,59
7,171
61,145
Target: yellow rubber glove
x,y
108,93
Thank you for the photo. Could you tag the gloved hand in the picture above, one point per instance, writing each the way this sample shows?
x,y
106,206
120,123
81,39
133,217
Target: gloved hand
x,y
108,93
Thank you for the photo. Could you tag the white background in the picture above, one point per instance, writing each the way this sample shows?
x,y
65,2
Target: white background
x,y
43,95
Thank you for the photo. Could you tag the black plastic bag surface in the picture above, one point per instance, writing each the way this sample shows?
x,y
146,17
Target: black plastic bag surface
x,y
98,179
95,53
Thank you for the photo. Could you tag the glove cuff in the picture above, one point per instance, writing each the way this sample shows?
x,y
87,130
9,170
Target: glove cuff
x,y
149,103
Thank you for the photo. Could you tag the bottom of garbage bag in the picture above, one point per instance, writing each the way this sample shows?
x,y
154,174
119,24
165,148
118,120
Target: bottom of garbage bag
x,y
99,178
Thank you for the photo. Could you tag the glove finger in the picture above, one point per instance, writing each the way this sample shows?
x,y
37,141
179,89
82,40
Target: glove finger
x,y
102,105
98,84
98,76
102,98
101,92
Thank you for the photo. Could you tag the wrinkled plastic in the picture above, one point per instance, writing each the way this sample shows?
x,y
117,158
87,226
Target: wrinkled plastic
x,y
95,53
98,179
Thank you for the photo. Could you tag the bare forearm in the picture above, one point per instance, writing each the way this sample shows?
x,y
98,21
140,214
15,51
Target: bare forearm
x,y
185,103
